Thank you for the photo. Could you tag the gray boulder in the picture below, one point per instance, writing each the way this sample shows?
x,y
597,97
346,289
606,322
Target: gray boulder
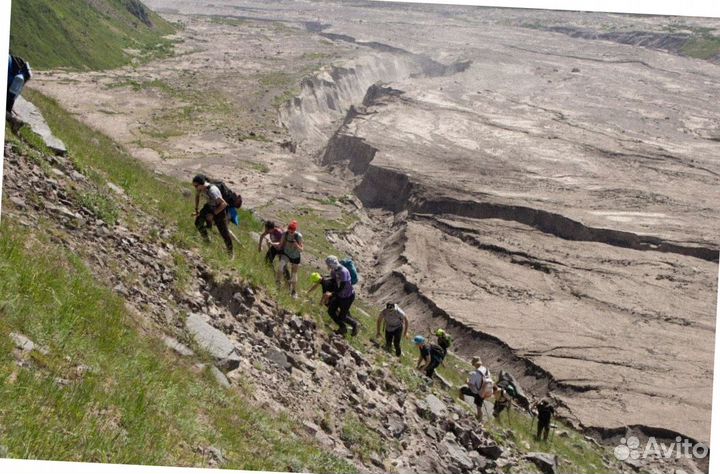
x,y
214,342
547,463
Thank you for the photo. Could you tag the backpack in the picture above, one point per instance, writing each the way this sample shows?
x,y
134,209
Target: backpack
x,y
437,352
350,265
486,389
445,341
228,195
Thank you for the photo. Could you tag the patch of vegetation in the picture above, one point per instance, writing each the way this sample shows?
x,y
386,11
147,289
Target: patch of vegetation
x,y
135,403
85,35
363,441
703,47
100,205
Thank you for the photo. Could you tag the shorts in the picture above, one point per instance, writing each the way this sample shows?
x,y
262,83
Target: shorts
x,y
294,261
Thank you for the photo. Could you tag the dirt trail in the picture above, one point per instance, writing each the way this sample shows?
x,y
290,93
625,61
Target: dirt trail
x,y
551,199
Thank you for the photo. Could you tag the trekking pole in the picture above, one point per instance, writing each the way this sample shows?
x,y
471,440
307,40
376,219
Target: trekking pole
x,y
232,234
553,427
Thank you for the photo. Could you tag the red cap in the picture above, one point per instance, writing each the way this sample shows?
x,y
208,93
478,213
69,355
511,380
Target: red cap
x,y
293,225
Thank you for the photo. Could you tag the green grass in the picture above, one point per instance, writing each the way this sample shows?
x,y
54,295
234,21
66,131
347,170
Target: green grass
x,y
76,35
138,404
101,206
362,440
703,47
163,197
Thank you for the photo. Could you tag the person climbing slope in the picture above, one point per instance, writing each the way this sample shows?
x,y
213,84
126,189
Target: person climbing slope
x,y
431,355
292,246
545,412
212,211
396,326
326,283
342,297
19,73
479,385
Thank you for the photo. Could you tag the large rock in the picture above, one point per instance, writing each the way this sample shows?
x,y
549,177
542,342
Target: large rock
x,y
279,358
214,342
547,463
31,116
177,346
436,408
456,453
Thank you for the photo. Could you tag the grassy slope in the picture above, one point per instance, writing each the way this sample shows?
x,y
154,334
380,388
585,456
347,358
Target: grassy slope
x,y
74,34
101,160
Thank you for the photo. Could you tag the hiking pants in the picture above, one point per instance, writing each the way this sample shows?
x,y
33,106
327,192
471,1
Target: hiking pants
x,y
467,391
339,311
394,338
10,101
220,221
543,428
271,254
434,363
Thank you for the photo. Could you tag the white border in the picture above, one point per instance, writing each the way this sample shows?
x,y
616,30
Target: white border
x,y
702,8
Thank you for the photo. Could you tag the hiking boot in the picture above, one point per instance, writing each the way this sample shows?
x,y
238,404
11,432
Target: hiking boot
x,y
355,330
294,295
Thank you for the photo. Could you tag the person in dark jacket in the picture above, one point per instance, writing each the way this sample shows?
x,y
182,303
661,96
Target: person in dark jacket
x,y
342,297
431,355
213,211
545,412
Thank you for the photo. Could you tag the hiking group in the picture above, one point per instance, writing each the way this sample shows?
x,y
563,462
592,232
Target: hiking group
x,y
338,294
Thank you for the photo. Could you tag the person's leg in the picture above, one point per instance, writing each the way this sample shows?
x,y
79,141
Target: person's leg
x,y
221,223
397,337
333,310
539,430
431,367
388,339
284,262
200,222
345,315
10,101
293,278
547,431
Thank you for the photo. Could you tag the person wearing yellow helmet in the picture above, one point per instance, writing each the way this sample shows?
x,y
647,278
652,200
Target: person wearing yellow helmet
x,y
444,339
326,283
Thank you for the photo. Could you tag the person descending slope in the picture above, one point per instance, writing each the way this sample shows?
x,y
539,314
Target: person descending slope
x,y
431,355
212,211
292,246
396,326
342,298
326,283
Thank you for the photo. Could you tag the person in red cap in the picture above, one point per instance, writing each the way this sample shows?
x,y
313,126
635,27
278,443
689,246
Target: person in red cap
x,y
291,245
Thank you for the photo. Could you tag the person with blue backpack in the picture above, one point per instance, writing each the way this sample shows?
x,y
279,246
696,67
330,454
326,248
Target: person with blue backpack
x,y
342,297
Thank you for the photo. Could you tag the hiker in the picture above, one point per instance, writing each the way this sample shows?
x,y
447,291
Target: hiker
x,y
342,297
212,211
545,411
479,385
396,326
502,402
291,245
272,234
327,283
19,74
444,339
431,355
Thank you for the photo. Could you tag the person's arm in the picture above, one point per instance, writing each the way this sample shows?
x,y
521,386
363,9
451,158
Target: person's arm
x,y
315,285
299,244
197,202
406,324
260,240
379,322
220,206
420,361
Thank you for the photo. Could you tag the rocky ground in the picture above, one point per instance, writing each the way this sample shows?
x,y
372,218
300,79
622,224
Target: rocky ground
x,y
552,198
292,365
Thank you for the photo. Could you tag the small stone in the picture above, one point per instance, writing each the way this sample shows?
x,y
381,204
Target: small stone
x,y
22,342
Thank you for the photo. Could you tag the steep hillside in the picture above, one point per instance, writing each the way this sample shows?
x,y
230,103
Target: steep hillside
x,y
86,34
101,270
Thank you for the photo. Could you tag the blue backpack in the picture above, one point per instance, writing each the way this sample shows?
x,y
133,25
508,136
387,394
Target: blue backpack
x,y
350,265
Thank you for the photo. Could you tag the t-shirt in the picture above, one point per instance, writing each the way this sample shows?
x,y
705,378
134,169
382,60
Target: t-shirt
x,y
275,235
476,378
212,193
394,318
289,249
342,274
